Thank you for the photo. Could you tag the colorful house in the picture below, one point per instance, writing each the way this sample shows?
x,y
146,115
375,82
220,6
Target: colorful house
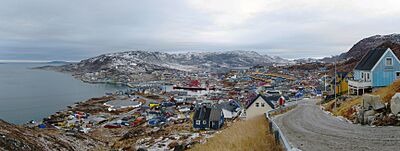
x,y
208,118
378,68
342,85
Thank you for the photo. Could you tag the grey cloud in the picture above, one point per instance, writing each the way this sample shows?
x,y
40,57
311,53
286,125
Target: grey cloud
x,y
73,30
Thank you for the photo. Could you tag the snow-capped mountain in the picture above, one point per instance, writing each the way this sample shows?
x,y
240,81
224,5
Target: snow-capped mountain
x,y
144,65
192,61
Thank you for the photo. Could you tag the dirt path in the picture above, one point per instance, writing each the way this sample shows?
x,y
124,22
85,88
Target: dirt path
x,y
308,128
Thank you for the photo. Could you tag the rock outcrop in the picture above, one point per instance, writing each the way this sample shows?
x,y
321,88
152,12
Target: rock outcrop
x,y
19,138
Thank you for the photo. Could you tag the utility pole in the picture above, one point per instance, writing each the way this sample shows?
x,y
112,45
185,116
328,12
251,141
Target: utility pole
x,y
335,83
325,82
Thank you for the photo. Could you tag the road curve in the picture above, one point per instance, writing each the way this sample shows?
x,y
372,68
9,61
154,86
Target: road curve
x,y
309,128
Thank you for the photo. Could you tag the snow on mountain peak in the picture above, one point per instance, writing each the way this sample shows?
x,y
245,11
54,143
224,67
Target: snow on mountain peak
x,y
182,61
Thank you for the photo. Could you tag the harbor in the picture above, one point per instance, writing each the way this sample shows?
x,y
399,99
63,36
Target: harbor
x,y
28,94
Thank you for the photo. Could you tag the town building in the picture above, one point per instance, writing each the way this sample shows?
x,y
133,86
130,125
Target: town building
x,y
378,68
260,105
230,109
208,118
341,86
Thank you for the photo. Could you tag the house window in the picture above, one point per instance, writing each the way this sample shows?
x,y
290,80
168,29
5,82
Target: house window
x,y
257,104
262,104
204,122
362,75
367,76
197,122
389,61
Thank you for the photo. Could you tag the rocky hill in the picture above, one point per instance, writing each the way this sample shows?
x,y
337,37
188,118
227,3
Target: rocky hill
x,y
144,65
362,47
192,61
348,60
19,138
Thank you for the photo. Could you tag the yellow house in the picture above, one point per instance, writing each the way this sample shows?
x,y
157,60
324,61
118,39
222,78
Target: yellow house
x,y
342,79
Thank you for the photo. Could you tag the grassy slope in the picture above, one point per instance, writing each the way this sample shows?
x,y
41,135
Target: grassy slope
x,y
385,93
249,134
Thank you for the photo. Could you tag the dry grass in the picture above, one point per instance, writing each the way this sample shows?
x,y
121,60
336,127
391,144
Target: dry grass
x,y
345,108
251,134
386,93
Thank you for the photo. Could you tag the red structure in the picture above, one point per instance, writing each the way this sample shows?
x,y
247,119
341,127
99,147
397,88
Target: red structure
x,y
281,101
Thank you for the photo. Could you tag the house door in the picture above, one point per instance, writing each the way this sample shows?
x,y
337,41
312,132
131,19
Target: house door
x,y
397,74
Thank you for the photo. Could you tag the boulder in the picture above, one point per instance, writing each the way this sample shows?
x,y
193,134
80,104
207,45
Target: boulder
x,y
367,115
395,104
362,116
370,119
379,117
372,102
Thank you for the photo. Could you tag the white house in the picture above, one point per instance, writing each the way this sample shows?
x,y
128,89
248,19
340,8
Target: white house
x,y
259,105
230,109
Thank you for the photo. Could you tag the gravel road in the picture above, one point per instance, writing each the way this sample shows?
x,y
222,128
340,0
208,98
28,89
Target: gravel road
x,y
309,128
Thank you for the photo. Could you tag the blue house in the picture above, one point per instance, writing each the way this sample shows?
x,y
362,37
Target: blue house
x,y
208,118
378,68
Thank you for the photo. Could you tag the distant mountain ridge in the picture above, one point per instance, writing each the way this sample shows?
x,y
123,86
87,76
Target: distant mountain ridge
x,y
192,61
148,65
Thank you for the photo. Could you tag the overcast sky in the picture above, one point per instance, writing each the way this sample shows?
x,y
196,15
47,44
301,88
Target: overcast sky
x,y
76,29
